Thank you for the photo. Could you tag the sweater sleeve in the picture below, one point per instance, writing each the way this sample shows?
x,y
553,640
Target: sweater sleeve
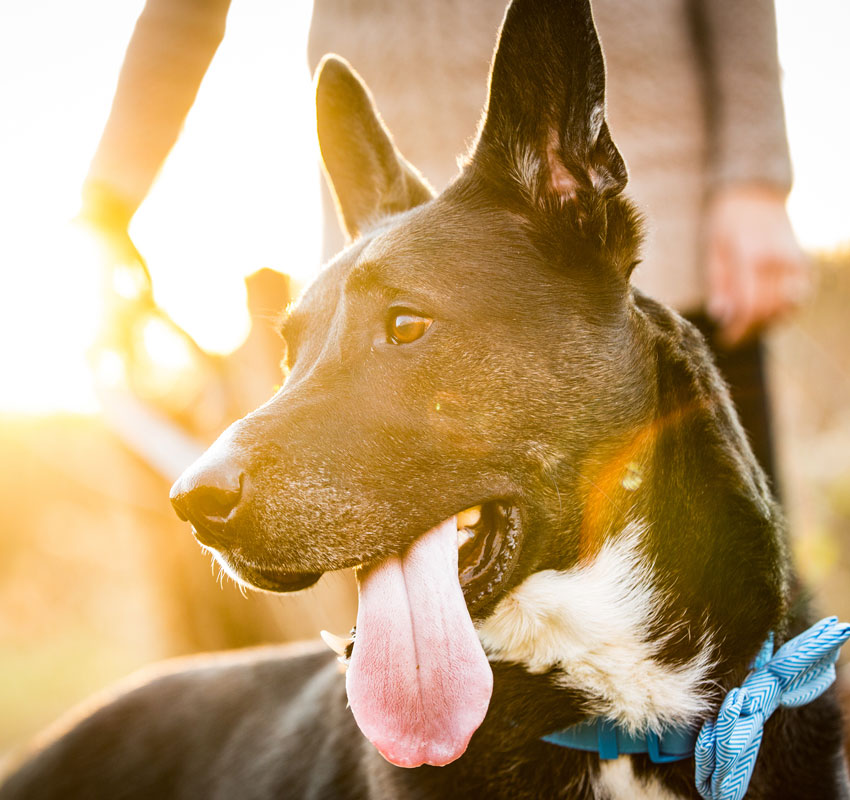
x,y
171,48
746,116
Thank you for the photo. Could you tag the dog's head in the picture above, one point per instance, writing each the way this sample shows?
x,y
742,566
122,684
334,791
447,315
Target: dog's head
x,y
464,350
469,365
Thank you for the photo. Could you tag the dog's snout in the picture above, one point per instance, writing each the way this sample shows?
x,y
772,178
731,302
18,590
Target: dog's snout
x,y
207,495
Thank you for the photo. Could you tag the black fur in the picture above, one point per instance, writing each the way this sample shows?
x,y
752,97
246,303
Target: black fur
x,y
544,379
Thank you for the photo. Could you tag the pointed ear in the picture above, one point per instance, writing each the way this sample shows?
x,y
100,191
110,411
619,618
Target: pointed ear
x,y
544,130
367,175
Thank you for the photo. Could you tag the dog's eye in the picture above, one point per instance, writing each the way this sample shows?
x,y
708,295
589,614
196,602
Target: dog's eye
x,y
406,327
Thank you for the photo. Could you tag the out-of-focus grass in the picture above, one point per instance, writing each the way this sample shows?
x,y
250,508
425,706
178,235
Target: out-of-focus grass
x,y
40,681
810,360
78,599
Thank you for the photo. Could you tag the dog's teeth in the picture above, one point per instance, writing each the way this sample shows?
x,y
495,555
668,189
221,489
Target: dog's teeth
x,y
336,643
464,536
469,518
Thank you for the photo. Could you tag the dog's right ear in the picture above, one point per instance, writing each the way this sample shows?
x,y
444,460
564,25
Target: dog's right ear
x,y
368,176
544,137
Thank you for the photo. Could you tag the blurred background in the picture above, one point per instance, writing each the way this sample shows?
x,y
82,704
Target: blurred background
x,y
107,392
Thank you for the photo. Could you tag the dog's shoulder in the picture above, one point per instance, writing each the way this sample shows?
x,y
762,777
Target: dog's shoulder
x,y
189,723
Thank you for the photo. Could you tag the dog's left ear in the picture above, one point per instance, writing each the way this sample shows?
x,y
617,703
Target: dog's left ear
x,y
544,132
367,174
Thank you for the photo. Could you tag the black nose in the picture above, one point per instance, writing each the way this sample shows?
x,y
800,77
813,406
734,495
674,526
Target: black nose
x,y
207,496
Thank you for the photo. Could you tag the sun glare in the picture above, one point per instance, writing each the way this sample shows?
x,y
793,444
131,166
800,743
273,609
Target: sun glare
x,y
240,190
816,65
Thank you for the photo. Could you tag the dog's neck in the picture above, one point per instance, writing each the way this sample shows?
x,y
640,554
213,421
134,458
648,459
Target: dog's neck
x,y
640,628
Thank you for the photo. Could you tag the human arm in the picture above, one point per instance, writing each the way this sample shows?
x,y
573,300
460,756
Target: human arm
x,y
169,53
755,269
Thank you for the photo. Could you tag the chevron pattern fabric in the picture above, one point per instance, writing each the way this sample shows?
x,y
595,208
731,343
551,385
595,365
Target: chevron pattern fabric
x,y
801,670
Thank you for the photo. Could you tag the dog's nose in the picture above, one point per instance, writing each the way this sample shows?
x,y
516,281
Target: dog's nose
x,y
207,495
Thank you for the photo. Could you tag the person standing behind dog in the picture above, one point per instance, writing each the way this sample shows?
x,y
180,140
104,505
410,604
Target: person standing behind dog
x,y
694,101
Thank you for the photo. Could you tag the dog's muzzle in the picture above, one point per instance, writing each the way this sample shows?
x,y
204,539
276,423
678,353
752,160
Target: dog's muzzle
x,y
213,495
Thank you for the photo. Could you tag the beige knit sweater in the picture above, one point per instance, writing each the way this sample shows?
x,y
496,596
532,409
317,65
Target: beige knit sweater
x,y
693,101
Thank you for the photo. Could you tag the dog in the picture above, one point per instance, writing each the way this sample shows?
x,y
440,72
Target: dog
x,y
536,470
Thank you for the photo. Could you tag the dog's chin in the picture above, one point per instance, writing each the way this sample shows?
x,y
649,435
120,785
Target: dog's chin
x,y
489,537
275,581
265,579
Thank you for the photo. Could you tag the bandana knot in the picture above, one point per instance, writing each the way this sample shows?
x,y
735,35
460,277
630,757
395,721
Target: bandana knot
x,y
800,671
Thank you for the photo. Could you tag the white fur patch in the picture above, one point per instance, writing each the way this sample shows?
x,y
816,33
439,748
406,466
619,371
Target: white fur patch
x,y
594,125
525,170
617,781
592,623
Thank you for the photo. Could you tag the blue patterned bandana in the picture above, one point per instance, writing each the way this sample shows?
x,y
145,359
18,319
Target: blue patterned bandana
x,y
725,750
802,669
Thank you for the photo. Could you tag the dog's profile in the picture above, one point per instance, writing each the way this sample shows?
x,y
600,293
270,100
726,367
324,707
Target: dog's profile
x,y
537,470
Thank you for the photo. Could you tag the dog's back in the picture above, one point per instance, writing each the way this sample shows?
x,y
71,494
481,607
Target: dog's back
x,y
237,725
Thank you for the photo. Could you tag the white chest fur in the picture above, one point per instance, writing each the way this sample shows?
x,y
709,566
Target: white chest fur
x,y
617,781
592,623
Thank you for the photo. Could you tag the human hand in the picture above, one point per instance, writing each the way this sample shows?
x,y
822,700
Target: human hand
x,y
756,270
124,271
138,354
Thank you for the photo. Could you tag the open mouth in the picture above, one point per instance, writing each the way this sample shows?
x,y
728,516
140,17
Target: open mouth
x,y
488,539
418,681
487,547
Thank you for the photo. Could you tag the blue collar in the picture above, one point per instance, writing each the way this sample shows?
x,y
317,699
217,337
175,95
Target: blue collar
x,y
725,749
611,741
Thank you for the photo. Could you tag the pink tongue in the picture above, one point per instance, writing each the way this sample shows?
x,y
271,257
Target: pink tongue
x,y
418,683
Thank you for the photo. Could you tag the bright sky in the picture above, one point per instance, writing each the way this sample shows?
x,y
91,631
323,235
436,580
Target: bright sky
x,y
816,63
240,189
